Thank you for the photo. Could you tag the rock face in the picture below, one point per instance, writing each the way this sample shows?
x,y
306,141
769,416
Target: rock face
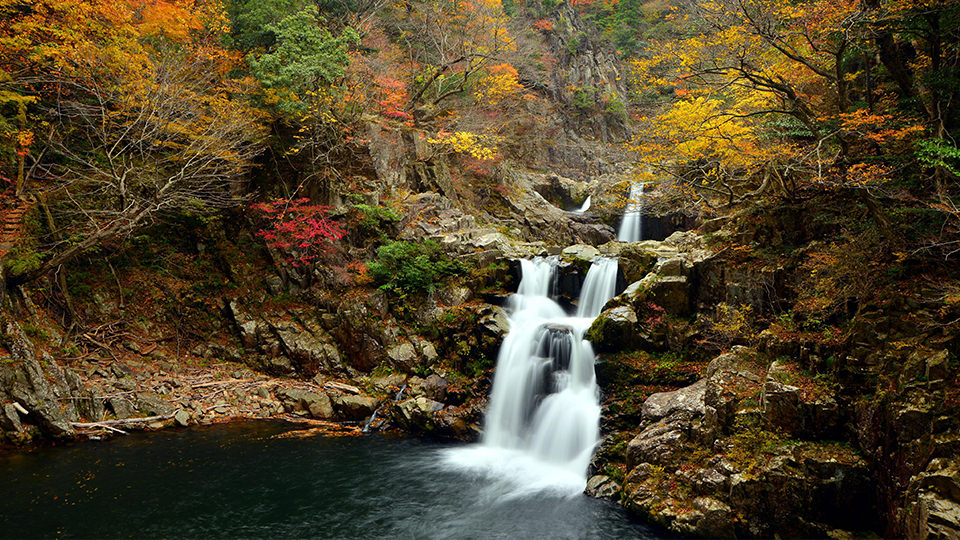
x,y
709,462
35,388
933,507
286,345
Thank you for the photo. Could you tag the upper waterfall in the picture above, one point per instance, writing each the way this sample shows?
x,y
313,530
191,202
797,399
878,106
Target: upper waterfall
x,y
631,228
584,207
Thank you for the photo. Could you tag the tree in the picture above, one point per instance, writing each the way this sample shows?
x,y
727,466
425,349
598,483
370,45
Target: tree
x,y
140,124
304,58
764,100
451,41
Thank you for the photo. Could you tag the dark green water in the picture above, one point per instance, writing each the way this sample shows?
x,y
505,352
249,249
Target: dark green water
x,y
234,481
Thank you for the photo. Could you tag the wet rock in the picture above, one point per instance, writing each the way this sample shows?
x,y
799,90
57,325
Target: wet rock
x,y
602,487
351,407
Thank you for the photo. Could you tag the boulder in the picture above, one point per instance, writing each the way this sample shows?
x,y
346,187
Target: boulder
x,y
182,418
636,262
672,293
122,407
404,357
602,487
151,404
580,254
418,414
684,240
676,266
665,404
351,407
303,402
614,330
435,387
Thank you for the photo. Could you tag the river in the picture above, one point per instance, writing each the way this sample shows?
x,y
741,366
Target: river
x,y
241,481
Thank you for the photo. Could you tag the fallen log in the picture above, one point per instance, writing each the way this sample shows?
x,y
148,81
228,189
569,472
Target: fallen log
x,y
122,422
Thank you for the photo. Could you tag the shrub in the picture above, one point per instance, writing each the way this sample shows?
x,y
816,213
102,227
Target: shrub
x,y
408,267
371,220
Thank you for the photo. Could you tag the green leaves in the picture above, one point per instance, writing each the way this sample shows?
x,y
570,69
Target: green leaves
x,y
304,57
411,267
940,153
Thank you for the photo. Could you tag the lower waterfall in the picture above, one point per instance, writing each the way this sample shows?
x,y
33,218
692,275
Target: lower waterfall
x,y
542,423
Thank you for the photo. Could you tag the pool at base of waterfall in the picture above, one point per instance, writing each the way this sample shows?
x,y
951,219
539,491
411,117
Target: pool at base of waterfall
x,y
243,481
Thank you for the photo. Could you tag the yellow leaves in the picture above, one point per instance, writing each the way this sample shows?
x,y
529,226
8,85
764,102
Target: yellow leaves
x,y
463,142
24,138
500,82
705,127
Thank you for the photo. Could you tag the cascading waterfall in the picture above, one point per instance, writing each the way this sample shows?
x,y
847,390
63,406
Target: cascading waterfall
x,y
584,207
542,424
631,228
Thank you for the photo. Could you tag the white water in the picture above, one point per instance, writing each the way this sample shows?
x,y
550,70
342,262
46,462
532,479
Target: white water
x,y
631,228
542,424
584,208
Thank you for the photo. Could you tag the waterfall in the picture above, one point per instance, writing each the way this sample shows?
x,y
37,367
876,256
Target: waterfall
x,y
599,287
631,228
542,423
584,208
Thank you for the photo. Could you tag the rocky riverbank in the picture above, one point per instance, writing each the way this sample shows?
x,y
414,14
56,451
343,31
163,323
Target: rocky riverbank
x,y
723,415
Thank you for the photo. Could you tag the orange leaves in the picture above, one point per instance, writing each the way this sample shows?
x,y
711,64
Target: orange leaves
x,y
885,130
543,25
392,97
869,174
168,19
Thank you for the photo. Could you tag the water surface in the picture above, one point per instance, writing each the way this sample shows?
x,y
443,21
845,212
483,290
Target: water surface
x,y
237,481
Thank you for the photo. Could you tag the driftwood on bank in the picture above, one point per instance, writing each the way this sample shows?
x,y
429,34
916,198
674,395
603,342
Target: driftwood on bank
x,y
108,424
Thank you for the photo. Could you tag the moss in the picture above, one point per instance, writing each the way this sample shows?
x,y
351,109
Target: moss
x,y
752,446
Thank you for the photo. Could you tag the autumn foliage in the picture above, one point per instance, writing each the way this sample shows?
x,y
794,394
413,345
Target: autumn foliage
x,y
300,230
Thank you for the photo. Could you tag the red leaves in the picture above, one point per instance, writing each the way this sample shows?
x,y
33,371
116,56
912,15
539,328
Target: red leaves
x,y
296,226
